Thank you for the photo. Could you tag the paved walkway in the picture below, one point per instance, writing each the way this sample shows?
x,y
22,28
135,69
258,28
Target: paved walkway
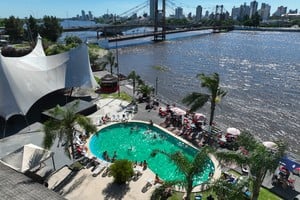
x,y
33,134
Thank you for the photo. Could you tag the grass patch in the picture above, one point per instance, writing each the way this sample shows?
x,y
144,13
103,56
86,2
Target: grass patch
x,y
267,195
123,96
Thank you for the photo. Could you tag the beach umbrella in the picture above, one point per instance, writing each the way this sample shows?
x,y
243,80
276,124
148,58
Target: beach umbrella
x,y
199,117
233,131
270,145
178,111
296,171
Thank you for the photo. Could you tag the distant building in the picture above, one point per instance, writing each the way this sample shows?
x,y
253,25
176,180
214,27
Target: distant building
x,y
293,11
253,8
280,11
90,16
264,11
179,13
235,13
198,13
83,16
206,16
244,11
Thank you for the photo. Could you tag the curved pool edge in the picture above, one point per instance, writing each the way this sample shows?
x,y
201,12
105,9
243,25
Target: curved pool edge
x,y
198,188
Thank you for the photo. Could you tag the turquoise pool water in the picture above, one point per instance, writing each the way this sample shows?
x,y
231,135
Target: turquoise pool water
x,y
135,141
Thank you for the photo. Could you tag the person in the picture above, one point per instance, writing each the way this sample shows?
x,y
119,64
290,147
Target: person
x,y
151,122
158,180
145,165
114,156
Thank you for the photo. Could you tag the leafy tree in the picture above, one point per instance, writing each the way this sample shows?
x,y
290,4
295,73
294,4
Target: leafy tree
x,y
226,190
51,28
197,100
14,28
257,157
72,40
135,79
109,59
189,168
32,28
122,171
145,90
64,127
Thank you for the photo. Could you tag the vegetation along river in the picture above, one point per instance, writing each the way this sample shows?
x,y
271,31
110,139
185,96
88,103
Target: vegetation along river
x,y
260,71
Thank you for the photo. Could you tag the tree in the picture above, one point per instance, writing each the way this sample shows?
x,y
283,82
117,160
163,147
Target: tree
x,y
122,171
258,158
72,40
226,190
197,100
14,28
145,90
32,29
109,59
51,28
63,127
135,78
189,168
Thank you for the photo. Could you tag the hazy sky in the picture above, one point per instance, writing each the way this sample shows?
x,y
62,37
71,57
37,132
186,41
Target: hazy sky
x,y
70,8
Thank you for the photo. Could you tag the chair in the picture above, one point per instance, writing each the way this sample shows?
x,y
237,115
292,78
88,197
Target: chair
x,y
100,168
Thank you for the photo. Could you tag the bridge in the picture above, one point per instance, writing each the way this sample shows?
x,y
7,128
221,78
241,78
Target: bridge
x,y
157,22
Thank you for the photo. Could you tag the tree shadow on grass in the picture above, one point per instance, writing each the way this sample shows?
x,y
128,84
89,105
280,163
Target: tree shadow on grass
x,y
115,191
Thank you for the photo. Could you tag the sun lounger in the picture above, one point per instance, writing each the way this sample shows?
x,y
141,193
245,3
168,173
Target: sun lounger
x,y
100,168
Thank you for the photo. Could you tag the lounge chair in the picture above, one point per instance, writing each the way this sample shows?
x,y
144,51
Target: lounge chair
x,y
100,168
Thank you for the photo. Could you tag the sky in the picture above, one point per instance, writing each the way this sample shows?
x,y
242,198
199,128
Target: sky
x,y
70,8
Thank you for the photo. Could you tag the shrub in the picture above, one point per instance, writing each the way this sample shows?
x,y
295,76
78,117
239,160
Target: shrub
x,y
122,171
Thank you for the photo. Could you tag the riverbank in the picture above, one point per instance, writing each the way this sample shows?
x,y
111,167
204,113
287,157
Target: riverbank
x,y
277,29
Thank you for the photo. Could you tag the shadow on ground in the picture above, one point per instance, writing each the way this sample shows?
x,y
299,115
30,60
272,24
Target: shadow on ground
x,y
115,191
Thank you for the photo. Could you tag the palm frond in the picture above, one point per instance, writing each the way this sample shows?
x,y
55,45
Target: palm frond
x,y
195,100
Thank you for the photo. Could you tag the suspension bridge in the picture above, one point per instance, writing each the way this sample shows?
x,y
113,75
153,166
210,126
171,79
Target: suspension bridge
x,y
155,20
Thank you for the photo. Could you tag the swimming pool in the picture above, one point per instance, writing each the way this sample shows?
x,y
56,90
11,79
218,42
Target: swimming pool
x,y
136,140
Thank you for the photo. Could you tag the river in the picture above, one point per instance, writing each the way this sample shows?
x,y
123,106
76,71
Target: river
x,y
260,71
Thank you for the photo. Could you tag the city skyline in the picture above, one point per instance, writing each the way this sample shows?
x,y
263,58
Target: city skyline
x,y
70,8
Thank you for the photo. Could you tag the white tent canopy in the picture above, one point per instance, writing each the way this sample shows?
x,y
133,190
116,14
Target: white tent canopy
x,y
24,80
27,157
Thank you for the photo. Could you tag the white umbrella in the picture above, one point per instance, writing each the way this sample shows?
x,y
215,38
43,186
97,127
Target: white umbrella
x,y
199,117
178,111
233,131
270,145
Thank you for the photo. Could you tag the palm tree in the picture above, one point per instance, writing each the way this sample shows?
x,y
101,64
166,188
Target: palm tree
x,y
63,127
109,59
197,100
258,158
135,78
145,90
189,168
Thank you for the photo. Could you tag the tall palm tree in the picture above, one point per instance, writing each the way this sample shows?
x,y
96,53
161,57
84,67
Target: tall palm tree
x,y
197,100
135,79
109,59
189,168
145,90
63,127
258,158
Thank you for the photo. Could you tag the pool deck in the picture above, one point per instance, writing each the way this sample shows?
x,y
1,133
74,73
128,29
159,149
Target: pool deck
x,y
84,185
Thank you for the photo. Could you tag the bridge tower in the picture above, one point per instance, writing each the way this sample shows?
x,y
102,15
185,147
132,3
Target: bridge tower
x,y
159,20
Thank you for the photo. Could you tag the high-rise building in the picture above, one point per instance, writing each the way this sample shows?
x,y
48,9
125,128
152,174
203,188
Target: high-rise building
x,y
265,11
253,8
235,13
281,10
90,16
152,8
179,13
199,13
83,14
244,11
